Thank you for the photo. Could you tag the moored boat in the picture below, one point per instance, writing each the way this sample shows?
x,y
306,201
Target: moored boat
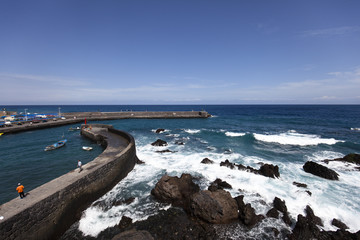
x,y
74,129
56,145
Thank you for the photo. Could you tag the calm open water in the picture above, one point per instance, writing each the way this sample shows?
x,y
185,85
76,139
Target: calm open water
x,y
283,135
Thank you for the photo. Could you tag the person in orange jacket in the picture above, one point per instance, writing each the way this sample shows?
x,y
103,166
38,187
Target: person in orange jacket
x,y
20,190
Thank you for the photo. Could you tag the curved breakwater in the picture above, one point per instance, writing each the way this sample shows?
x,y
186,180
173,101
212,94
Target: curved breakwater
x,y
50,209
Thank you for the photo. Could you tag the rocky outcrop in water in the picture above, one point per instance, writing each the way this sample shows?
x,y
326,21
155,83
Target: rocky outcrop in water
x,y
339,224
350,158
207,161
307,228
281,207
159,143
174,190
165,151
160,130
267,170
219,184
247,213
320,170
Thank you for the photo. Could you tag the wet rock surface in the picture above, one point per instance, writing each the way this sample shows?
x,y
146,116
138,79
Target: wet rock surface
x,y
160,130
208,213
159,143
207,161
307,228
267,170
320,171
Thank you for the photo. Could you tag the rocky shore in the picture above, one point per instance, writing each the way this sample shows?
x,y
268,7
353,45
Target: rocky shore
x,y
213,213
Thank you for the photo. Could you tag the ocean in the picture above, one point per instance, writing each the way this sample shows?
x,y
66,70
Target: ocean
x,y
282,135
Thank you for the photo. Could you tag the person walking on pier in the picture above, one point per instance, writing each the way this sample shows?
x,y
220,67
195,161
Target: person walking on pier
x,y
20,190
79,165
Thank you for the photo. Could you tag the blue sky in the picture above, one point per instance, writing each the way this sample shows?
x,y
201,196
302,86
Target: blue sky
x,y
180,52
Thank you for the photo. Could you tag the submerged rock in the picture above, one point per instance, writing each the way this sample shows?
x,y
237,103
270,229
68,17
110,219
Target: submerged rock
x,y
165,151
320,171
302,185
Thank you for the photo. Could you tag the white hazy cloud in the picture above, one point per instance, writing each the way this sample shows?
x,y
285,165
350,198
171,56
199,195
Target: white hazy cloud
x,y
331,31
338,87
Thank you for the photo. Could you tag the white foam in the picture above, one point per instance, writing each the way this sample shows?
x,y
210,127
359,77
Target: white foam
x,y
329,199
192,131
355,129
234,134
293,138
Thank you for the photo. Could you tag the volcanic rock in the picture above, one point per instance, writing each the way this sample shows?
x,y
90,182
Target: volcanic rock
x,y
247,213
281,206
160,130
175,190
219,184
320,171
165,151
273,213
311,216
269,170
175,224
302,185
207,161
133,235
228,164
350,158
125,223
159,143
214,207
339,224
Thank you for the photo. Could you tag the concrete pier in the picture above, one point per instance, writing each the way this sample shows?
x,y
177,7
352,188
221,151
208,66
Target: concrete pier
x,y
47,211
79,117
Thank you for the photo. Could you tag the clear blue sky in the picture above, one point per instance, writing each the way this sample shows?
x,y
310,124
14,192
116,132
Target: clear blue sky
x,y
180,52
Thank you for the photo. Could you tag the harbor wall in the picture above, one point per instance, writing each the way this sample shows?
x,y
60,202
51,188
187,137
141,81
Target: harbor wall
x,y
52,208
79,117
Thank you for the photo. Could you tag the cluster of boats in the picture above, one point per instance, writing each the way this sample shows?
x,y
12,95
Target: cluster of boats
x,y
62,143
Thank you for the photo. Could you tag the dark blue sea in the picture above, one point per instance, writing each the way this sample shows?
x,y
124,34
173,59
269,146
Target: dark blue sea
x,y
283,135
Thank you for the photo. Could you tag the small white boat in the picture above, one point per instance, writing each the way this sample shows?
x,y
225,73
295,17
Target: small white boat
x,y
74,129
87,148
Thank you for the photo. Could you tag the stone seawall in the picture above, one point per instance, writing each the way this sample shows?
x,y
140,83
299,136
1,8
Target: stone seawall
x,y
51,208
